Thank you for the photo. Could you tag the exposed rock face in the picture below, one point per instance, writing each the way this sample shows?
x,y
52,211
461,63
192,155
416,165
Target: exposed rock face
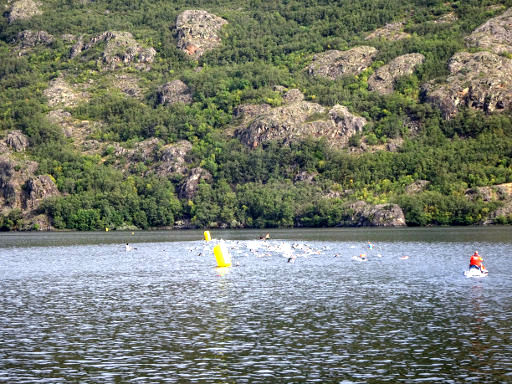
x,y
172,158
13,175
121,50
391,32
197,32
299,120
293,96
481,80
23,10
333,64
29,38
7,188
17,141
174,92
381,215
190,185
495,35
492,193
61,94
38,189
347,123
382,81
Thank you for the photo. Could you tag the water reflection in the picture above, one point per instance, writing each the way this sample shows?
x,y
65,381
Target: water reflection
x,y
164,313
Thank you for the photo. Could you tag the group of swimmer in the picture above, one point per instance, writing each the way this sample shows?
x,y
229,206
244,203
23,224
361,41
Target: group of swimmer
x,y
475,262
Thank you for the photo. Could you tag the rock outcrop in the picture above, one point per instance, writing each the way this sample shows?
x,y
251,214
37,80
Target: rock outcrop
x,y
190,185
172,158
198,32
17,141
391,32
29,38
362,214
333,64
23,10
347,123
13,176
481,80
298,120
495,35
383,79
174,92
37,189
121,50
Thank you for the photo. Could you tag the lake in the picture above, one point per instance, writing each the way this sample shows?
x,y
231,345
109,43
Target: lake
x,y
299,307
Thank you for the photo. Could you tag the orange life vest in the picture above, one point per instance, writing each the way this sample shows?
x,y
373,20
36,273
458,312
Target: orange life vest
x,y
476,260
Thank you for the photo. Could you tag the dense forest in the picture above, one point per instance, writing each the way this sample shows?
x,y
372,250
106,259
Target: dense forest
x,y
265,47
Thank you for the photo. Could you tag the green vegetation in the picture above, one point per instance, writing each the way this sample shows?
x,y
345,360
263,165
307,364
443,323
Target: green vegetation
x,y
267,43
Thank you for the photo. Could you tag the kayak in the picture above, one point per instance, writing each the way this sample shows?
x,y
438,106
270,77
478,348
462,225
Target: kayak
x,y
473,272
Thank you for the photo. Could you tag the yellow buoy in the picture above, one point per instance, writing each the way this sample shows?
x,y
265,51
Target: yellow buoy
x,y
207,235
222,256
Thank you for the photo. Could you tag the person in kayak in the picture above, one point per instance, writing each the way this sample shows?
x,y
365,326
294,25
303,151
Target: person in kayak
x,y
476,262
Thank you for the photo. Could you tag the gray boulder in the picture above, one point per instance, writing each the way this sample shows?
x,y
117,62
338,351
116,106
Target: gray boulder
x,y
17,141
30,38
382,81
121,49
391,32
174,92
333,64
198,32
23,10
347,123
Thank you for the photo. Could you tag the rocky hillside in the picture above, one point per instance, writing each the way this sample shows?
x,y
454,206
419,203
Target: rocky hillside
x,y
254,114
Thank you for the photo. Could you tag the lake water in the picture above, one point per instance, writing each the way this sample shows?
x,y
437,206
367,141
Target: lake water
x,y
77,307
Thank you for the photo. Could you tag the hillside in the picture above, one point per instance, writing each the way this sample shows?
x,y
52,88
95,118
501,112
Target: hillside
x,y
254,113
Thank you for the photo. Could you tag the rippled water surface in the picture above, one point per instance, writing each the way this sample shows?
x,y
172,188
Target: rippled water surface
x,y
80,308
